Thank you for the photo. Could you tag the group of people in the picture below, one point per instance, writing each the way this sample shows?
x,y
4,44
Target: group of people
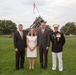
x,y
40,40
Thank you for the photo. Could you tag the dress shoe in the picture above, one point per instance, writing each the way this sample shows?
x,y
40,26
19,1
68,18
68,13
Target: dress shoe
x,y
17,69
61,69
41,66
53,68
45,67
22,67
30,68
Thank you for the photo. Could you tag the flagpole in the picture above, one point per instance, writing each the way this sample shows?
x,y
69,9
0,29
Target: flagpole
x,y
37,10
34,6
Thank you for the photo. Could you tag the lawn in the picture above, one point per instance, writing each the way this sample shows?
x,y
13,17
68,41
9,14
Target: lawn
x,y
7,59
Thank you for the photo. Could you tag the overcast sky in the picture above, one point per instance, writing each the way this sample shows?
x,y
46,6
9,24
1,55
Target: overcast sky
x,y
53,11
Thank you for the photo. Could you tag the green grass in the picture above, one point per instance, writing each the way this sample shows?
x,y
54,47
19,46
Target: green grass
x,y
7,59
5,36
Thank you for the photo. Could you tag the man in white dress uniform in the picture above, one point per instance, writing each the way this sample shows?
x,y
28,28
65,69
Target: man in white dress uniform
x,y
58,40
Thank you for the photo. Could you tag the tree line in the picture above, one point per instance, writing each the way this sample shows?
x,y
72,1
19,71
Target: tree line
x,y
69,28
9,27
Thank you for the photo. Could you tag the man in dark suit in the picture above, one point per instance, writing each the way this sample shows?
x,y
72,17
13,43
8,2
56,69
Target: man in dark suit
x,y
43,44
20,45
58,40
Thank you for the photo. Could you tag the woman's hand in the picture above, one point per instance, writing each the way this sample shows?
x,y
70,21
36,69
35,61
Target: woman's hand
x,y
32,48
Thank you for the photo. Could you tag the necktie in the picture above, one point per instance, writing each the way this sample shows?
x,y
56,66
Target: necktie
x,y
21,34
42,32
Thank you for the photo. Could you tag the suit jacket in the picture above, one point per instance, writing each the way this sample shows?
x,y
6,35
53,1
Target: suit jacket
x,y
57,45
43,40
19,43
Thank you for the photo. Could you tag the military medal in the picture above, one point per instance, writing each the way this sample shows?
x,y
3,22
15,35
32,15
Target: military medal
x,y
54,38
58,36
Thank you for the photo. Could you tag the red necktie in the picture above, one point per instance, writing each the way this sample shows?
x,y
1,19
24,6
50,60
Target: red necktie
x,y
42,32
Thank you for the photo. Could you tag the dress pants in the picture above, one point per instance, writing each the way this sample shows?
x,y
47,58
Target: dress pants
x,y
20,56
43,57
59,56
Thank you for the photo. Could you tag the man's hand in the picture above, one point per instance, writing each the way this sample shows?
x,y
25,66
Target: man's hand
x,y
16,50
25,48
47,48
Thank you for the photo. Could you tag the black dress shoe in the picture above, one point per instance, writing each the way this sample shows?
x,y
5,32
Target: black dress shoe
x,y
22,67
17,69
45,67
41,67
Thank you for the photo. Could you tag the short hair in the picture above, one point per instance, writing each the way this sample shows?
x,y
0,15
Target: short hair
x,y
20,25
42,21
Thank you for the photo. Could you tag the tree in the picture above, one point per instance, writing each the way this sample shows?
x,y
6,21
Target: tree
x,y
7,27
48,27
69,28
63,29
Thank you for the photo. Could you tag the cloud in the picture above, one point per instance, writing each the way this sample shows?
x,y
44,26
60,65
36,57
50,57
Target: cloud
x,y
53,11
